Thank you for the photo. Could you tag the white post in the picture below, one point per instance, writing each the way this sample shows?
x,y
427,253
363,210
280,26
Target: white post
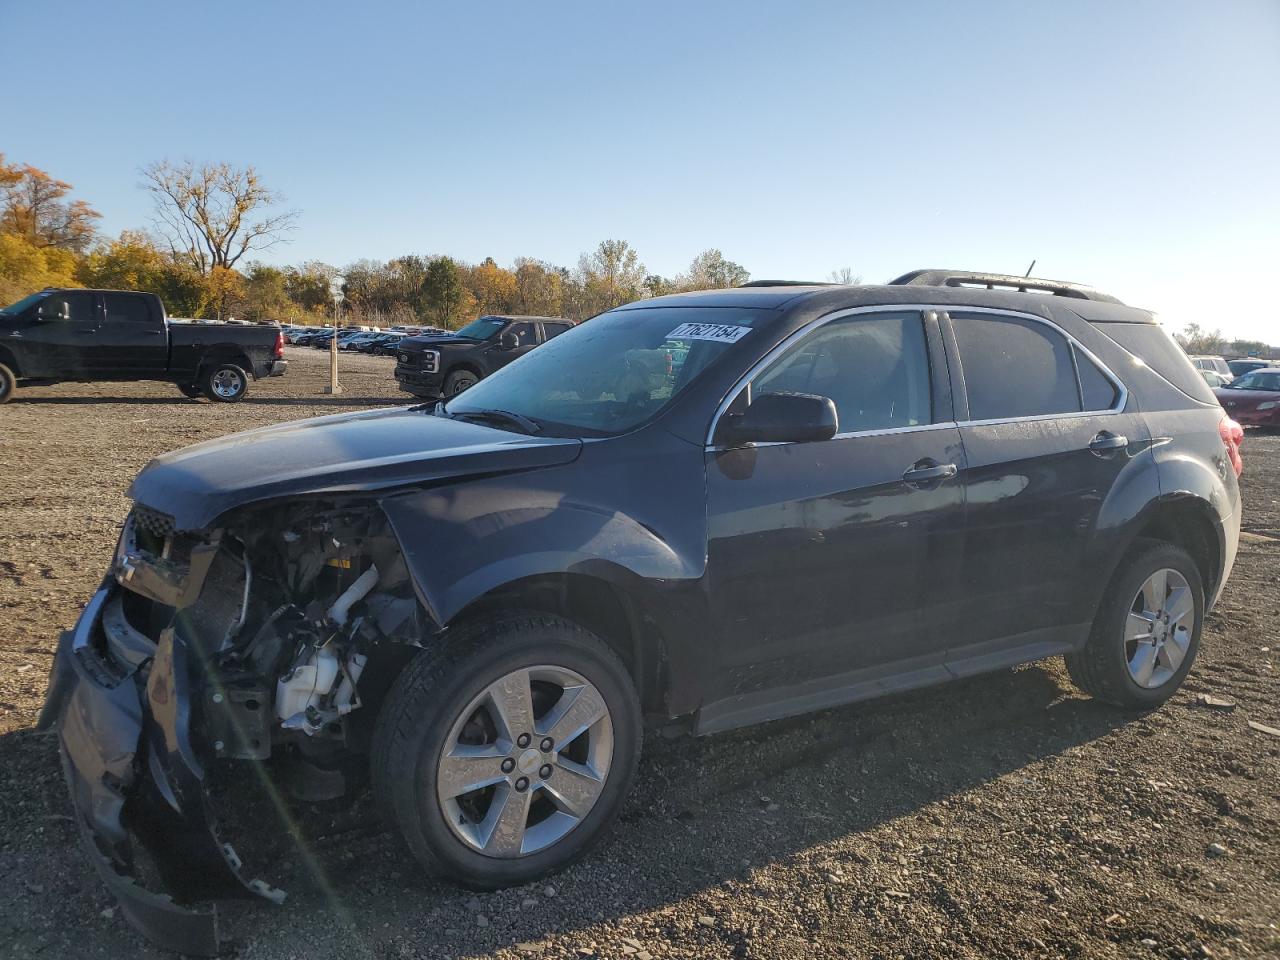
x,y
335,291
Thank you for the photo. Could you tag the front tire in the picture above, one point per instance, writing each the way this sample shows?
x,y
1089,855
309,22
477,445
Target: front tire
x,y
8,384
458,381
1147,629
224,383
503,757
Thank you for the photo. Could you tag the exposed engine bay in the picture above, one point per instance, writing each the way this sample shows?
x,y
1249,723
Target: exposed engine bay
x,y
270,640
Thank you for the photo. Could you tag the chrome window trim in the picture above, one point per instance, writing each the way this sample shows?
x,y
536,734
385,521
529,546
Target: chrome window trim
x,y
1122,392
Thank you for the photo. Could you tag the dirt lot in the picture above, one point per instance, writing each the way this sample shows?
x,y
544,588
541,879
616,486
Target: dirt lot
x,y
1006,816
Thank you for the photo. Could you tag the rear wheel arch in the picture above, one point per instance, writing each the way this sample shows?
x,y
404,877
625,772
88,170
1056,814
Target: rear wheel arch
x,y
225,354
1185,521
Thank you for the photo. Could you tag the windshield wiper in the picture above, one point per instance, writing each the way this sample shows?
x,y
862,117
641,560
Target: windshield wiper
x,y
524,423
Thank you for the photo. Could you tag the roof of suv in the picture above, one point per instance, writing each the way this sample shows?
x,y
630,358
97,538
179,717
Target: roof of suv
x,y
944,288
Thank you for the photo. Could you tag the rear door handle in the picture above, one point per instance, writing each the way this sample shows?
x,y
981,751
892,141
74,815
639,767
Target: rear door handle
x,y
1107,441
928,471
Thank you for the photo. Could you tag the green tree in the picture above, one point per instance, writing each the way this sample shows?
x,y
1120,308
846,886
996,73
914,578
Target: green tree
x,y
1195,339
609,276
711,271
539,288
446,294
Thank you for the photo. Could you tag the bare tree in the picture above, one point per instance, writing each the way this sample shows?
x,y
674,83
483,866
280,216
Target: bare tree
x,y
214,213
844,275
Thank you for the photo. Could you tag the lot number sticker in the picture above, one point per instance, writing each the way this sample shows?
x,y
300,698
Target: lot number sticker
x,y
720,332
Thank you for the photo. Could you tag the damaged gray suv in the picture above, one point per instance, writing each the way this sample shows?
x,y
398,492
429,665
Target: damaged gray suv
x,y
712,509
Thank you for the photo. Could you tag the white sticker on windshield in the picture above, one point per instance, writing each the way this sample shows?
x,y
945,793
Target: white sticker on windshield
x,y
721,332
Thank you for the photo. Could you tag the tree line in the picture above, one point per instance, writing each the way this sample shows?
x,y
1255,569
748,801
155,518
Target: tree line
x,y
210,219
1198,341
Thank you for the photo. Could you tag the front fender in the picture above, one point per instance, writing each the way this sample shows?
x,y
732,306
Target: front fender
x,y
462,542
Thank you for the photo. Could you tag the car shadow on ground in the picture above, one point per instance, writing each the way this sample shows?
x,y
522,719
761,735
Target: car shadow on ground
x,y
703,813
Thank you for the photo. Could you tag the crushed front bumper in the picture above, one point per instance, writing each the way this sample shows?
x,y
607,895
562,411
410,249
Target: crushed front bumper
x,y
134,774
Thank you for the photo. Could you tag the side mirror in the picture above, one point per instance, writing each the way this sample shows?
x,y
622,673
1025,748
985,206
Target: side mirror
x,y
53,310
784,418
508,341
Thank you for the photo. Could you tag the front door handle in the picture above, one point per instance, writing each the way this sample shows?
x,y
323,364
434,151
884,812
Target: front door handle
x,y
928,472
1106,442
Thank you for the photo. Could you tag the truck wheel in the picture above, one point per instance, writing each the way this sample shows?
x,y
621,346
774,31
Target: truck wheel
x,y
458,381
8,384
224,382
504,757
190,390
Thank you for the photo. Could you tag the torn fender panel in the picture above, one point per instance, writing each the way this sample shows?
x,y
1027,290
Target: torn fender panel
x,y
340,454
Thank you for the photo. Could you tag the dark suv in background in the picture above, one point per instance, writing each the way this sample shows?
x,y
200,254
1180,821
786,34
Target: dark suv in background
x,y
443,365
712,509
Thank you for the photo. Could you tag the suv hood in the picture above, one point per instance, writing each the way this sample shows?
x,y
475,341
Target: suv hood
x,y
343,453
442,340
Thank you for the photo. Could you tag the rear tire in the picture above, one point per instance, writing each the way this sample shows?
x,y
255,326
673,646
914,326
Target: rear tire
x,y
455,706
224,382
1141,646
8,384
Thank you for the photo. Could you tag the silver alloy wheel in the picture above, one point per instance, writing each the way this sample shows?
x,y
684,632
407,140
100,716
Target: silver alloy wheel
x,y
227,384
1158,631
525,761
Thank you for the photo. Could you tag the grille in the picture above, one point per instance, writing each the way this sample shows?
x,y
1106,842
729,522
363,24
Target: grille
x,y
159,525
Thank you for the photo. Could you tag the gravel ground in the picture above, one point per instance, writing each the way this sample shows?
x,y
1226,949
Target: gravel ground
x,y
1005,816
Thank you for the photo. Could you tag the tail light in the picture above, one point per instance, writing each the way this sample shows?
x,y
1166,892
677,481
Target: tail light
x,y
278,352
1232,435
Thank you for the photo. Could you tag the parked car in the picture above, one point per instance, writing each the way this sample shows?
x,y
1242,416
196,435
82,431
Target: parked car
x,y
711,509
1215,379
1216,364
382,344
354,341
1246,364
1254,399
81,335
445,364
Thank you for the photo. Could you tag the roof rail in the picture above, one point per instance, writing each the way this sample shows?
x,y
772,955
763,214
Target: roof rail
x,y
788,283
1000,281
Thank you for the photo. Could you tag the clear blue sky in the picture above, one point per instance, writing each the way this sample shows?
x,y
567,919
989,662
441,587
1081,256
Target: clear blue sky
x,y
1133,145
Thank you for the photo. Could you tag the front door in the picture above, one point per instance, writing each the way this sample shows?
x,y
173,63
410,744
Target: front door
x,y
526,335
64,349
1045,435
824,557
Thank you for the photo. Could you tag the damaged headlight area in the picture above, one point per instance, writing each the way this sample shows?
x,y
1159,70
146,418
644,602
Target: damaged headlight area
x,y
269,642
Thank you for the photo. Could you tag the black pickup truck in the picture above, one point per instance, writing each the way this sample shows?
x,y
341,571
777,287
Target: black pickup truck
x,y
90,335
445,364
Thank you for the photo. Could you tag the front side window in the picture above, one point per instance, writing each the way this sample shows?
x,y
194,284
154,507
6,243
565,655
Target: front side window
x,y
875,369
613,372
122,308
1015,368
81,307
524,334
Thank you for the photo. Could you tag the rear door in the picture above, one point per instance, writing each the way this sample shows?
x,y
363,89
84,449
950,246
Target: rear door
x,y
134,346
829,560
1047,430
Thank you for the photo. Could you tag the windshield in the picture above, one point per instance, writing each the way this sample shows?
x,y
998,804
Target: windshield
x,y
1258,380
24,303
612,373
482,329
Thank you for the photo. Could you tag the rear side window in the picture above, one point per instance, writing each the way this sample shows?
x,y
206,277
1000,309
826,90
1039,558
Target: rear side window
x,y
122,308
1151,344
554,329
1015,368
1098,392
